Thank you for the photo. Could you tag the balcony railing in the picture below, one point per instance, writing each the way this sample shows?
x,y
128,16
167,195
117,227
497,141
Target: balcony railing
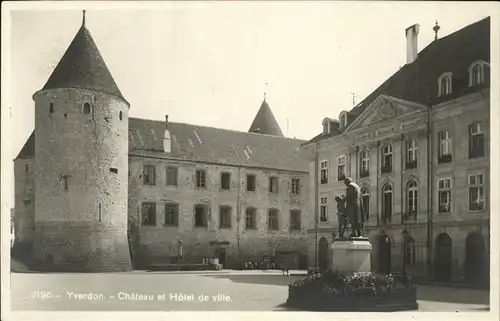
x,y
411,164
445,159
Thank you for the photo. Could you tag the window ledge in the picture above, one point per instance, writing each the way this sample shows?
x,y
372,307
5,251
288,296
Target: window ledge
x,y
444,213
170,226
476,211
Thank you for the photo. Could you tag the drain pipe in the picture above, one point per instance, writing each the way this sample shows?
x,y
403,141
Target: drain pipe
x,y
430,191
316,195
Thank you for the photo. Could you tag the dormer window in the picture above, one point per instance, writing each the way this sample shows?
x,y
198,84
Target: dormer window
x,y
444,83
326,127
476,74
343,120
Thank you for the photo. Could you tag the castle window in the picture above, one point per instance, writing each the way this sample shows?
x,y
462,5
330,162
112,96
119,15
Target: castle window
x,y
387,203
326,127
121,115
365,163
295,223
225,181
323,209
172,176
148,214
149,173
476,74
411,154
476,140
250,218
251,183
444,195
273,219
201,179
51,108
343,120
86,108
386,159
444,153
113,170
273,184
171,214
341,165
365,200
26,167
200,216
411,199
444,85
476,192
295,186
225,217
324,172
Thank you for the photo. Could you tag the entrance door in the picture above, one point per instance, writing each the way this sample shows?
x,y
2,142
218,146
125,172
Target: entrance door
x,y
323,253
475,271
442,260
384,254
222,255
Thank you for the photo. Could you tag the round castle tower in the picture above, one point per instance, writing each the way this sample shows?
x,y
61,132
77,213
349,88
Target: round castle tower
x,y
81,164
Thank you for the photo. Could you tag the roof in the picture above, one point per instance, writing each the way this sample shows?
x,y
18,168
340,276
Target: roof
x,y
82,66
209,144
418,81
265,123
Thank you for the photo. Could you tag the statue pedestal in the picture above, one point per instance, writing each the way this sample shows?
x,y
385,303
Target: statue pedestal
x,y
351,255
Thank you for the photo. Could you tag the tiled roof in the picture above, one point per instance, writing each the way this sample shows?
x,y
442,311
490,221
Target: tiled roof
x,y
82,66
208,144
418,81
265,123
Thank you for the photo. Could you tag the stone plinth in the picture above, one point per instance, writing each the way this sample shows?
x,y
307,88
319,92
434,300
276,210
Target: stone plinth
x,y
351,255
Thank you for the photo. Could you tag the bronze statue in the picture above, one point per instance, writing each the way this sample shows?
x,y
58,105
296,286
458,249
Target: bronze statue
x,y
354,207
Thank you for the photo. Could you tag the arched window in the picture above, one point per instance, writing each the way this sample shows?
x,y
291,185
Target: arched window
x,y
444,83
365,199
411,154
86,108
51,108
343,120
476,74
411,200
386,203
121,115
364,170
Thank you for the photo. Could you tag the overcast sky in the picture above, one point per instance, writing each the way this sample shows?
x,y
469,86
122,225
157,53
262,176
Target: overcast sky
x,y
207,63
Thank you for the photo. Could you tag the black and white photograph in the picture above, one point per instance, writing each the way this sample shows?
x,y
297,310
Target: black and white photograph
x,y
250,156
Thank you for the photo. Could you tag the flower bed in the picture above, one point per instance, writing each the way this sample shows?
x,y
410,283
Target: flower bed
x,y
362,292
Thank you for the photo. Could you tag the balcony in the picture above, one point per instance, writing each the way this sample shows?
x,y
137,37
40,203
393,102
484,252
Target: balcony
x,y
324,181
443,159
410,216
364,173
386,168
411,164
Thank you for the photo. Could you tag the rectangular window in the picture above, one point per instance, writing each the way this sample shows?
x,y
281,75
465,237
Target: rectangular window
x,y
250,218
172,176
251,183
476,192
411,154
341,164
324,209
149,214
225,181
295,223
171,214
273,223
444,154
444,195
324,172
149,173
476,141
273,184
26,167
386,159
200,216
225,217
365,164
295,186
201,179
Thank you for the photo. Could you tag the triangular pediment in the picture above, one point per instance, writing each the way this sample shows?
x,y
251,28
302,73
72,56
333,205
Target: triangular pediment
x,y
385,108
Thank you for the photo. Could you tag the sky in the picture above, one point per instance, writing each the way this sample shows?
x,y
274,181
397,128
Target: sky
x,y
207,63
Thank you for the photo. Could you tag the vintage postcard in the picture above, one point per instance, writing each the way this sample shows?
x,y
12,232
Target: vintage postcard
x,y
247,157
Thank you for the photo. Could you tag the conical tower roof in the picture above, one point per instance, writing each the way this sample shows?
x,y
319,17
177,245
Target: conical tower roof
x,y
265,123
82,66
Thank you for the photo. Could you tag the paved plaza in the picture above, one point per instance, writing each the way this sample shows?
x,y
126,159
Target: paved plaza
x,y
192,291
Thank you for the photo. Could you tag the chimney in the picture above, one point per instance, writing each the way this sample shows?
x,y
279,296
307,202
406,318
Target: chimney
x,y
167,141
411,43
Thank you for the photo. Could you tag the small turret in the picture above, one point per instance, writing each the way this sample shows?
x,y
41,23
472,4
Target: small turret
x,y
167,138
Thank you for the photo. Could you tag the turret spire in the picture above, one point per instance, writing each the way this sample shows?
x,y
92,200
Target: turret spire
x,y
436,29
83,20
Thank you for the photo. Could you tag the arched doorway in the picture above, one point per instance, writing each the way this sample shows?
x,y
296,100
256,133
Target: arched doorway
x,y
384,254
475,271
443,257
323,253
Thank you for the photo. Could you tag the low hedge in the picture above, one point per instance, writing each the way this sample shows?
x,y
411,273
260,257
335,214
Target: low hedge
x,y
362,292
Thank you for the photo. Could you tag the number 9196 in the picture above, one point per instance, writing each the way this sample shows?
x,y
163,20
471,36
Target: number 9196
x,y
41,294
